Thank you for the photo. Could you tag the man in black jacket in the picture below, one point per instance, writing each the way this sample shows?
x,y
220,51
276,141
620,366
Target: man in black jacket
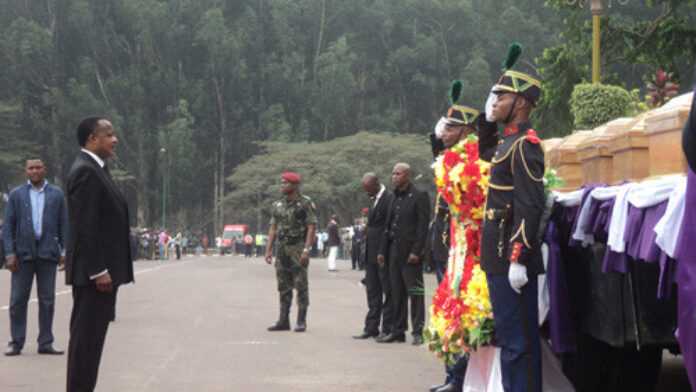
x,y
379,298
402,247
98,258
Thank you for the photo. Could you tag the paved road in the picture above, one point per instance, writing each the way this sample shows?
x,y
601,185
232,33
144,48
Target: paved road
x,y
200,325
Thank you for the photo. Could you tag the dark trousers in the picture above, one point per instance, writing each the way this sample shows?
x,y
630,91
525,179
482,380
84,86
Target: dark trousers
x,y
92,311
407,286
440,269
516,319
379,303
456,371
45,271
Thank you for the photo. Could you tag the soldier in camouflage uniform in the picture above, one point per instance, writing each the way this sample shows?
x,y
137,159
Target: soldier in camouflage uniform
x,y
293,224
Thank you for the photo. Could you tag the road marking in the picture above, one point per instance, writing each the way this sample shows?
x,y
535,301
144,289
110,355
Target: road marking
x,y
140,272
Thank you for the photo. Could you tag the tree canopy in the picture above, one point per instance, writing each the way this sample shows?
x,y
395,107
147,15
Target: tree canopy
x,y
193,86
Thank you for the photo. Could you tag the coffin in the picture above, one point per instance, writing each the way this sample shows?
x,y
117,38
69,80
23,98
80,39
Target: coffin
x,y
629,148
566,160
550,148
663,127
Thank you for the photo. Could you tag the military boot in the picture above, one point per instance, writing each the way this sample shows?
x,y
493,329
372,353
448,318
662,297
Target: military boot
x,y
301,320
283,323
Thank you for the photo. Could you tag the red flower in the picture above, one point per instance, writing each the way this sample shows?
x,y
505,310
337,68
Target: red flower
x,y
451,159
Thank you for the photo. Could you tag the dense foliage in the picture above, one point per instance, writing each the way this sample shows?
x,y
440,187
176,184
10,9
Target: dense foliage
x,y
193,85
595,104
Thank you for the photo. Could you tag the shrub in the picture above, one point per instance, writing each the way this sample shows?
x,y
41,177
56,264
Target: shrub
x,y
595,104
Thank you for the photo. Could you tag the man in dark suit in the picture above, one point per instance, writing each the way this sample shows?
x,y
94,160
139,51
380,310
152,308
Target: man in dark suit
x,y
379,298
36,228
98,257
402,247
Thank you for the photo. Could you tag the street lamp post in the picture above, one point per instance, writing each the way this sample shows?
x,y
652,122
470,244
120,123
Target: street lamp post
x,y
165,170
597,8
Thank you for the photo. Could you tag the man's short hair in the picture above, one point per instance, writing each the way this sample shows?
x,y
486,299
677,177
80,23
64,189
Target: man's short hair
x,y
86,128
403,166
370,176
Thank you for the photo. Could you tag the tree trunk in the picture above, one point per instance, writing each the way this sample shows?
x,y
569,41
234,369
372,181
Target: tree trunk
x,y
220,216
320,38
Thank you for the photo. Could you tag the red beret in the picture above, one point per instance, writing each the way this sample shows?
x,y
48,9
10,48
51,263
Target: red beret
x,y
291,177
365,210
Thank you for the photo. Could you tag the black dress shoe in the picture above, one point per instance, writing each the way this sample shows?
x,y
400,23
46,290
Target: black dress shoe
x,y
417,340
279,326
364,336
50,351
434,388
449,388
12,351
391,338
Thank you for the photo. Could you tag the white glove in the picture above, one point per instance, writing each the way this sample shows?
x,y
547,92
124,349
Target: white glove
x,y
517,275
492,98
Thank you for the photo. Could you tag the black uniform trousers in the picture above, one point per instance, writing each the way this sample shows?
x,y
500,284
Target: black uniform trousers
x,y
406,285
379,299
89,321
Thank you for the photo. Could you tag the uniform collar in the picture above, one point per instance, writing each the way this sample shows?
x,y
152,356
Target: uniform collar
x,y
514,129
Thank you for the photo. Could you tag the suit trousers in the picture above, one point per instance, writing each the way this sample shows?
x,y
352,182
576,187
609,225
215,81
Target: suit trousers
x,y
379,302
92,311
45,271
407,286
516,319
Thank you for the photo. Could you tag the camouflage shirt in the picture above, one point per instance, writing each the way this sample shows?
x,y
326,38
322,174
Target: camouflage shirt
x,y
292,219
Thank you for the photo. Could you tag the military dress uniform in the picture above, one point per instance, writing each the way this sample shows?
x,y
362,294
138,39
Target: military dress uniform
x,y
514,208
291,218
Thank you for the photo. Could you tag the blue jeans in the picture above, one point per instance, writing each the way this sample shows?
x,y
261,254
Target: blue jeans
x,y
45,271
517,333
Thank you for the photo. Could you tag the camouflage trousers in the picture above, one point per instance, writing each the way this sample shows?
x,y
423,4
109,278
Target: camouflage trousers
x,y
291,275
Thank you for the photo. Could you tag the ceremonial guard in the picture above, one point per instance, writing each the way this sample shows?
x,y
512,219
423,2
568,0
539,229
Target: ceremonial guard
x,y
293,224
510,250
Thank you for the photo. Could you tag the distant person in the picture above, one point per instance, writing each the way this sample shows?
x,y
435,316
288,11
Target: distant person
x,y
163,241
334,241
258,242
34,236
293,223
177,245
356,249
248,245
205,242
402,248
98,258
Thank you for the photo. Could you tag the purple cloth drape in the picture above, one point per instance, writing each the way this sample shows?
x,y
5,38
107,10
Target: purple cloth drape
x,y
686,281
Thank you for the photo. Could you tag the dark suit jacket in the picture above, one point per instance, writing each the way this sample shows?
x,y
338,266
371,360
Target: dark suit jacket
x,y
19,238
408,227
99,226
376,221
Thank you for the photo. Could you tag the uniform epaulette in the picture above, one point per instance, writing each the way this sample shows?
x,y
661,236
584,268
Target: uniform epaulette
x,y
532,137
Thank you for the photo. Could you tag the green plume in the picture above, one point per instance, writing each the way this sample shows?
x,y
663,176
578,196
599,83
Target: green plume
x,y
513,54
456,91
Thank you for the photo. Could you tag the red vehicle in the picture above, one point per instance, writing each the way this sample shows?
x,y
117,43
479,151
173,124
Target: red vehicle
x,y
231,235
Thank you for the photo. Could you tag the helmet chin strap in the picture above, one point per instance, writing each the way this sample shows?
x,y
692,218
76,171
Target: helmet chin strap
x,y
512,108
